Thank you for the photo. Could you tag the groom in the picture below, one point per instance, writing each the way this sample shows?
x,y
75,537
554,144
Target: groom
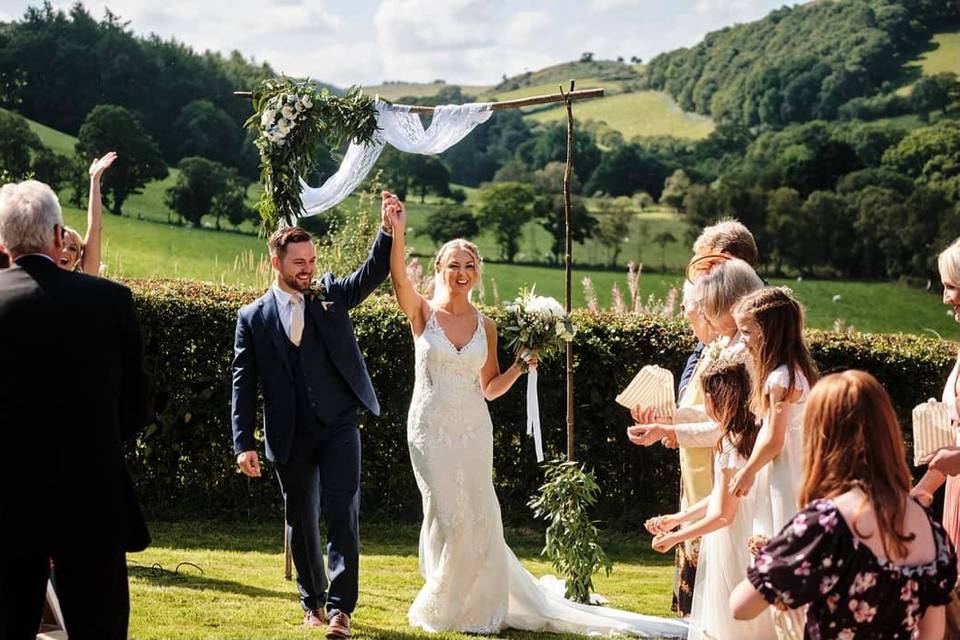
x,y
298,343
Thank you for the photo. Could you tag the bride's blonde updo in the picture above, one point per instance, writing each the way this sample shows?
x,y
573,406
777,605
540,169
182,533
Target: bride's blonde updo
x,y
453,245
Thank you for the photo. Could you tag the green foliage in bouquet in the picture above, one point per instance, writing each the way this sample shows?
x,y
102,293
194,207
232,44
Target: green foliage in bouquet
x,y
572,539
537,323
292,119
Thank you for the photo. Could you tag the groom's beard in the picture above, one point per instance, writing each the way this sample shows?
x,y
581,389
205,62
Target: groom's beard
x,y
292,282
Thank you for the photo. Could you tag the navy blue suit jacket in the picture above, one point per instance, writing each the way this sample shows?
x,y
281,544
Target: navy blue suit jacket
x,y
261,356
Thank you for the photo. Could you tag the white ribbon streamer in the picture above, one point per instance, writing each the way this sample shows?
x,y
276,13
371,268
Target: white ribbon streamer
x,y
533,413
403,130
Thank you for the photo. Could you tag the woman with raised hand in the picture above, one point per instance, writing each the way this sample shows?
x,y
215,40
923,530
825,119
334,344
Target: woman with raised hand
x,y
83,254
473,581
866,557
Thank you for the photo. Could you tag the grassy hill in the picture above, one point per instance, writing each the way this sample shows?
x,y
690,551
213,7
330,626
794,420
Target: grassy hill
x,y
395,90
643,113
942,54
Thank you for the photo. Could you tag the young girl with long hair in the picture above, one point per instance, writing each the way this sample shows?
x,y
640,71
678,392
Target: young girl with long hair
x,y
723,519
770,321
868,560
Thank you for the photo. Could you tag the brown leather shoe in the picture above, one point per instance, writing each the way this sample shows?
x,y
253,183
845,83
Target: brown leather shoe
x,y
315,618
339,626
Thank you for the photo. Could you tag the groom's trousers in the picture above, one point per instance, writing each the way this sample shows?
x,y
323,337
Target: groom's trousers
x,y
321,482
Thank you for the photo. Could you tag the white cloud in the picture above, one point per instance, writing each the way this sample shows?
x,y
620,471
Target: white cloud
x,y
614,5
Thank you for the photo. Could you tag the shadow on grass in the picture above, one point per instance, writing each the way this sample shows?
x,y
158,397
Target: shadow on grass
x,y
376,539
188,580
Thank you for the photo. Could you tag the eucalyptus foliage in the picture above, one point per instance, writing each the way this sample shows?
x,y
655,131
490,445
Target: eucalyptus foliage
x,y
572,539
292,119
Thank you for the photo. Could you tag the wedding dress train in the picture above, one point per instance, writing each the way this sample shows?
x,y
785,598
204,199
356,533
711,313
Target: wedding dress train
x,y
474,582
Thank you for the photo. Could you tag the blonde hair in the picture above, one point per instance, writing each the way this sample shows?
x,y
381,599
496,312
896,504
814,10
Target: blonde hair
x,y
728,236
69,233
948,263
449,247
725,285
453,245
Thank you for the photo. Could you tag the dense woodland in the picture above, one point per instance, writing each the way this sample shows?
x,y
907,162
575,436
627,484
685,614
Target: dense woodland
x,y
836,171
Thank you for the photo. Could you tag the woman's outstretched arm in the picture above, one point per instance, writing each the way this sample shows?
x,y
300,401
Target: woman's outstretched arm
x,y
90,260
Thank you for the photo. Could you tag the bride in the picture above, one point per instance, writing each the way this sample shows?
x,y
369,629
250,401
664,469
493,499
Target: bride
x,y
474,582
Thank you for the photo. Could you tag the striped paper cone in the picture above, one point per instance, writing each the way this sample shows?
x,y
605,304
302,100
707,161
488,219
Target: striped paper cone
x,y
931,429
651,387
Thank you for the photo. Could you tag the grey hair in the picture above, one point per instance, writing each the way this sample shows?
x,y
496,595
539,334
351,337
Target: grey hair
x,y
725,285
28,212
948,263
689,300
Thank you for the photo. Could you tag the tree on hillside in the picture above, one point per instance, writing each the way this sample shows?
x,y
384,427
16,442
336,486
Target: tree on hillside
x,y
504,208
231,203
675,189
549,144
113,128
549,210
626,170
934,92
449,222
52,168
930,155
613,226
202,129
16,143
662,239
406,172
199,182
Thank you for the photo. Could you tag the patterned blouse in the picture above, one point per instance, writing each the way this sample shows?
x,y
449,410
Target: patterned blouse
x,y
817,560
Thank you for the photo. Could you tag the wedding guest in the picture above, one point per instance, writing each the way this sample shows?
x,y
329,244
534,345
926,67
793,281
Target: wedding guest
x,y
83,254
68,495
724,519
869,561
945,464
715,293
770,322
726,239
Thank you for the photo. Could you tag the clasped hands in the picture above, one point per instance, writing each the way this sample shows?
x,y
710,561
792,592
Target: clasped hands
x,y
393,214
662,527
651,428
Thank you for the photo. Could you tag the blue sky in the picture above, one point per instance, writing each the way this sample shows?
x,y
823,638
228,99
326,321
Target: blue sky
x,y
461,41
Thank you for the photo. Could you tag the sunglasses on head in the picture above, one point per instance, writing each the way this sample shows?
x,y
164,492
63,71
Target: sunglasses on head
x,y
703,264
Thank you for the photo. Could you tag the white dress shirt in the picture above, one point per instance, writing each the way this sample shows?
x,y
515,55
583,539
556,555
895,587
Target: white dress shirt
x,y
286,309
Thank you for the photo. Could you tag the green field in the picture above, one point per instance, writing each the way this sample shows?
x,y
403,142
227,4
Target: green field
x,y
241,593
643,113
944,55
611,87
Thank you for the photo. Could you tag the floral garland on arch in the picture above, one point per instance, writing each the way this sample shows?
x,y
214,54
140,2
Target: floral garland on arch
x,y
292,119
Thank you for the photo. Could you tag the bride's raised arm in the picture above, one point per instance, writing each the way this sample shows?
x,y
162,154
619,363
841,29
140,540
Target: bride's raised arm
x,y
411,303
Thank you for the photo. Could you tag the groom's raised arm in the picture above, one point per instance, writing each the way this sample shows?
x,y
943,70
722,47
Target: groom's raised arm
x,y
371,274
244,410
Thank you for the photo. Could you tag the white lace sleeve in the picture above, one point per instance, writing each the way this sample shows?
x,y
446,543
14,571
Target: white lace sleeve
x,y
695,429
728,458
780,377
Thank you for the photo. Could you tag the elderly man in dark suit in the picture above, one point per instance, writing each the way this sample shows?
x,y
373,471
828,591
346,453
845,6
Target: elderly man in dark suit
x,y
297,344
67,494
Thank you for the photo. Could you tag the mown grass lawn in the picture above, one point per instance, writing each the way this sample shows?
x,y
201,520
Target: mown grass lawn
x,y
242,594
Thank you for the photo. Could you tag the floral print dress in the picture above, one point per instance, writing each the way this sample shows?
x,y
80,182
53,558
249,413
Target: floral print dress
x,y
817,560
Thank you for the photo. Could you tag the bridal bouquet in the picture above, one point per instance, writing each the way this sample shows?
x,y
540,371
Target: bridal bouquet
x,y
291,120
537,325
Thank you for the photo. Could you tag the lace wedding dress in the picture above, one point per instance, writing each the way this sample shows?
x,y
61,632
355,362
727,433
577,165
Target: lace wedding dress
x,y
474,582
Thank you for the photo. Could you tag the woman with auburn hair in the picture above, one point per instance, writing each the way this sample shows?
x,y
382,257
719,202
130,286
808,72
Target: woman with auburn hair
x,y
868,559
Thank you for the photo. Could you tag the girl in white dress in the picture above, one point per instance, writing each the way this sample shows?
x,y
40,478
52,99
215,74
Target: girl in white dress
x,y
723,519
472,580
771,323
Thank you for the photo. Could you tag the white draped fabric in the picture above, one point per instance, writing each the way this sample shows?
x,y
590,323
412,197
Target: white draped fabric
x,y
403,130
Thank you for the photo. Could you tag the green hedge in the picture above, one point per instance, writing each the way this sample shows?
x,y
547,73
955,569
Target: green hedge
x,y
183,464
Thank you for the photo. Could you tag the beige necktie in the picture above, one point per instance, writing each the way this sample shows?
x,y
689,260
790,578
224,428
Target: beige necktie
x,y
296,319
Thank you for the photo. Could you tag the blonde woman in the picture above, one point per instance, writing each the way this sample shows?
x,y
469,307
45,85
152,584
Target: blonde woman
x,y
83,254
473,581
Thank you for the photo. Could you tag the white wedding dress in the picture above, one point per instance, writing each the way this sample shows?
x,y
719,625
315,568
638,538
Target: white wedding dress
x,y
474,582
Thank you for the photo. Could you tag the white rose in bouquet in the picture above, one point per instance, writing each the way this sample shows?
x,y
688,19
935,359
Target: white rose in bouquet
x,y
288,112
284,126
307,102
266,119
